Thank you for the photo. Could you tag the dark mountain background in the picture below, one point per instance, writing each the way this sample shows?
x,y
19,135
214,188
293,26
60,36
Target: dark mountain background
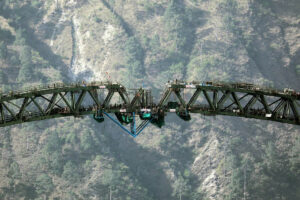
x,y
141,42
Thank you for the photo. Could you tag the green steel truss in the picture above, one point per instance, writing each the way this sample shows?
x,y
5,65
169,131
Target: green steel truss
x,y
209,98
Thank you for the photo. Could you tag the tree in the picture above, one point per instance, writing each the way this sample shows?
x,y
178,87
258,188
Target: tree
x,y
177,71
26,71
36,4
71,195
180,187
20,40
71,173
176,24
134,57
110,178
55,162
86,140
52,153
274,178
26,55
14,60
71,137
236,184
6,36
271,157
14,171
25,74
14,174
133,49
154,43
44,185
53,144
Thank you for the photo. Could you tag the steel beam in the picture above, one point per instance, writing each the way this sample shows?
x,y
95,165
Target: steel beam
x,y
237,102
108,98
250,103
37,105
265,104
2,113
66,101
215,98
182,102
10,111
94,97
51,103
124,96
208,100
22,109
165,97
286,110
223,99
295,111
279,107
194,98
79,100
137,98
73,100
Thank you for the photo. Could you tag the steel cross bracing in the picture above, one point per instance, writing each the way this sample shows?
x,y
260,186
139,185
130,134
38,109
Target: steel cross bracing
x,y
236,99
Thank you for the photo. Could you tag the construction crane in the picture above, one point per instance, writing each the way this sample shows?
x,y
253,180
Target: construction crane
x,y
180,97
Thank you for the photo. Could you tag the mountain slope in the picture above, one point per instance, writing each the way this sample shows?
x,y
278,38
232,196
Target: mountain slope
x,y
150,42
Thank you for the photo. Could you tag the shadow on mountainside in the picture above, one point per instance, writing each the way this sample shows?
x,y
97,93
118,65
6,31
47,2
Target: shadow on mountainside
x,y
146,163
142,162
27,13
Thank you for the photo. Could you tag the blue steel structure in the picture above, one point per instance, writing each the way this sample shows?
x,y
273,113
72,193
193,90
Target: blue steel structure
x,y
133,130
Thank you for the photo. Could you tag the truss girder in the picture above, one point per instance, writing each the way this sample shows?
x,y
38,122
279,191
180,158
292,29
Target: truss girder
x,y
137,99
250,103
80,99
37,105
57,102
165,97
275,105
51,103
194,98
70,105
22,109
93,94
212,106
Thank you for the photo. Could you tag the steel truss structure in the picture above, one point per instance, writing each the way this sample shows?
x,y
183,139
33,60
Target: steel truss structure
x,y
182,98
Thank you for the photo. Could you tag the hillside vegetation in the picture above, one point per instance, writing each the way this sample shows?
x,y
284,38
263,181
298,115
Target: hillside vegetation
x,y
148,43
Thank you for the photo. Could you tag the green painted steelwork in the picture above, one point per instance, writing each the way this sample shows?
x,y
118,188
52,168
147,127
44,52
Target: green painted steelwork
x,y
145,116
182,98
124,118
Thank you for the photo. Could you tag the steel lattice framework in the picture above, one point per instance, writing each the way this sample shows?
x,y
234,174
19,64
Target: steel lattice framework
x,y
208,98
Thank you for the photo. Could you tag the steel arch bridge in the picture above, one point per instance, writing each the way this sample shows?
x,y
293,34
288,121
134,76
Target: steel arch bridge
x,y
182,98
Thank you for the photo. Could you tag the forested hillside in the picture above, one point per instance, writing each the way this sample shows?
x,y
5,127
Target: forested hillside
x,y
141,42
